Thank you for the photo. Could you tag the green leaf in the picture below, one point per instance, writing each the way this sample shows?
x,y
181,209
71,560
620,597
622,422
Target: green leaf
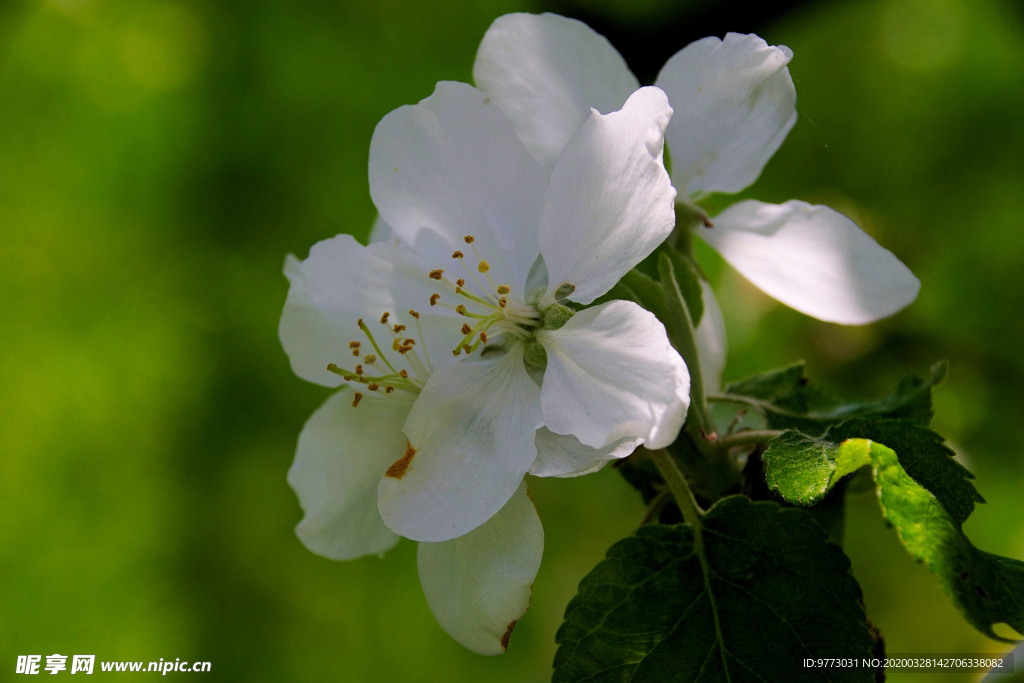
x,y
642,290
789,401
987,589
803,469
755,593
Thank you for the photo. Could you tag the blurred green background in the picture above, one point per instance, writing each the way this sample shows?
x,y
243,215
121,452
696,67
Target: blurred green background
x,y
159,159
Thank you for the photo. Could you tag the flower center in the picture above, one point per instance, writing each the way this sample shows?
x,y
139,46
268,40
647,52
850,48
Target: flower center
x,y
486,303
377,372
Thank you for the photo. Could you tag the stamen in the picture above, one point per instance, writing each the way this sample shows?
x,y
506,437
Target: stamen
x,y
389,389
460,282
457,254
434,298
436,274
356,399
503,302
414,314
419,332
483,266
409,342
466,329
370,359
469,239
359,369
369,335
483,337
354,344
404,373
373,386
355,352
503,289
384,318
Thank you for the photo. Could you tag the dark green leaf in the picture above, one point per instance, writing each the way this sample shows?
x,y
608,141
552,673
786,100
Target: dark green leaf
x,y
687,276
987,588
802,469
761,590
789,401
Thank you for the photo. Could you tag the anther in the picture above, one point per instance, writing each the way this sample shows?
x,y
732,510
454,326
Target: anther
x,y
360,323
405,349
354,344
373,386
404,373
466,329
409,342
355,351
461,309
483,266
483,337
389,389
359,369
503,289
356,399
503,302
458,254
436,274
395,344
461,282
434,299
370,359
469,239
398,328
414,314
384,318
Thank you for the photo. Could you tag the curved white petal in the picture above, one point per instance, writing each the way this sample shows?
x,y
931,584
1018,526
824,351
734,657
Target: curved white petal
x,y
342,454
453,166
711,341
813,259
612,374
546,72
343,281
479,585
472,429
734,104
562,455
610,201
382,232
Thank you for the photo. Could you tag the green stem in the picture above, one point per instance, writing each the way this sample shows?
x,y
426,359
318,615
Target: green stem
x,y
685,342
747,436
692,513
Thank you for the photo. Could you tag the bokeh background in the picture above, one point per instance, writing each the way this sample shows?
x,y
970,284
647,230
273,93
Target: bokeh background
x,y
159,159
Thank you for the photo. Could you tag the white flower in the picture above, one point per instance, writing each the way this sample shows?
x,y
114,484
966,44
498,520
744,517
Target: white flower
x,y
462,382
734,104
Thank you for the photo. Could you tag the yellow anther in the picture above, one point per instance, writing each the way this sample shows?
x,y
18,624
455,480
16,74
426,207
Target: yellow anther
x,y
359,369
384,318
360,323
456,352
414,314
398,328
409,342
355,351
466,329
405,349
370,359
469,239
483,266
457,254
356,399
436,274
460,309
354,344
504,289
404,373
503,302
373,386
395,344
389,389
465,347
483,337
461,282
434,299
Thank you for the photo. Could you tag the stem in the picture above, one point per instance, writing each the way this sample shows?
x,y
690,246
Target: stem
x,y
747,436
692,513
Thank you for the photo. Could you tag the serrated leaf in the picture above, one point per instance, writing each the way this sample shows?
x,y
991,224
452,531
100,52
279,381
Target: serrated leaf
x,y
987,589
803,469
789,401
761,590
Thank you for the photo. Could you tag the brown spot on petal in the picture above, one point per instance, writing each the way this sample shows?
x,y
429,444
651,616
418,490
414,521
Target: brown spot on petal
x,y
398,468
508,634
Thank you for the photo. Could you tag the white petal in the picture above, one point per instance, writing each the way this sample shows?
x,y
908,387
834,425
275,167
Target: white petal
x,y
546,72
472,429
343,281
813,259
562,455
382,232
453,166
612,374
342,455
734,104
479,585
610,201
711,343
